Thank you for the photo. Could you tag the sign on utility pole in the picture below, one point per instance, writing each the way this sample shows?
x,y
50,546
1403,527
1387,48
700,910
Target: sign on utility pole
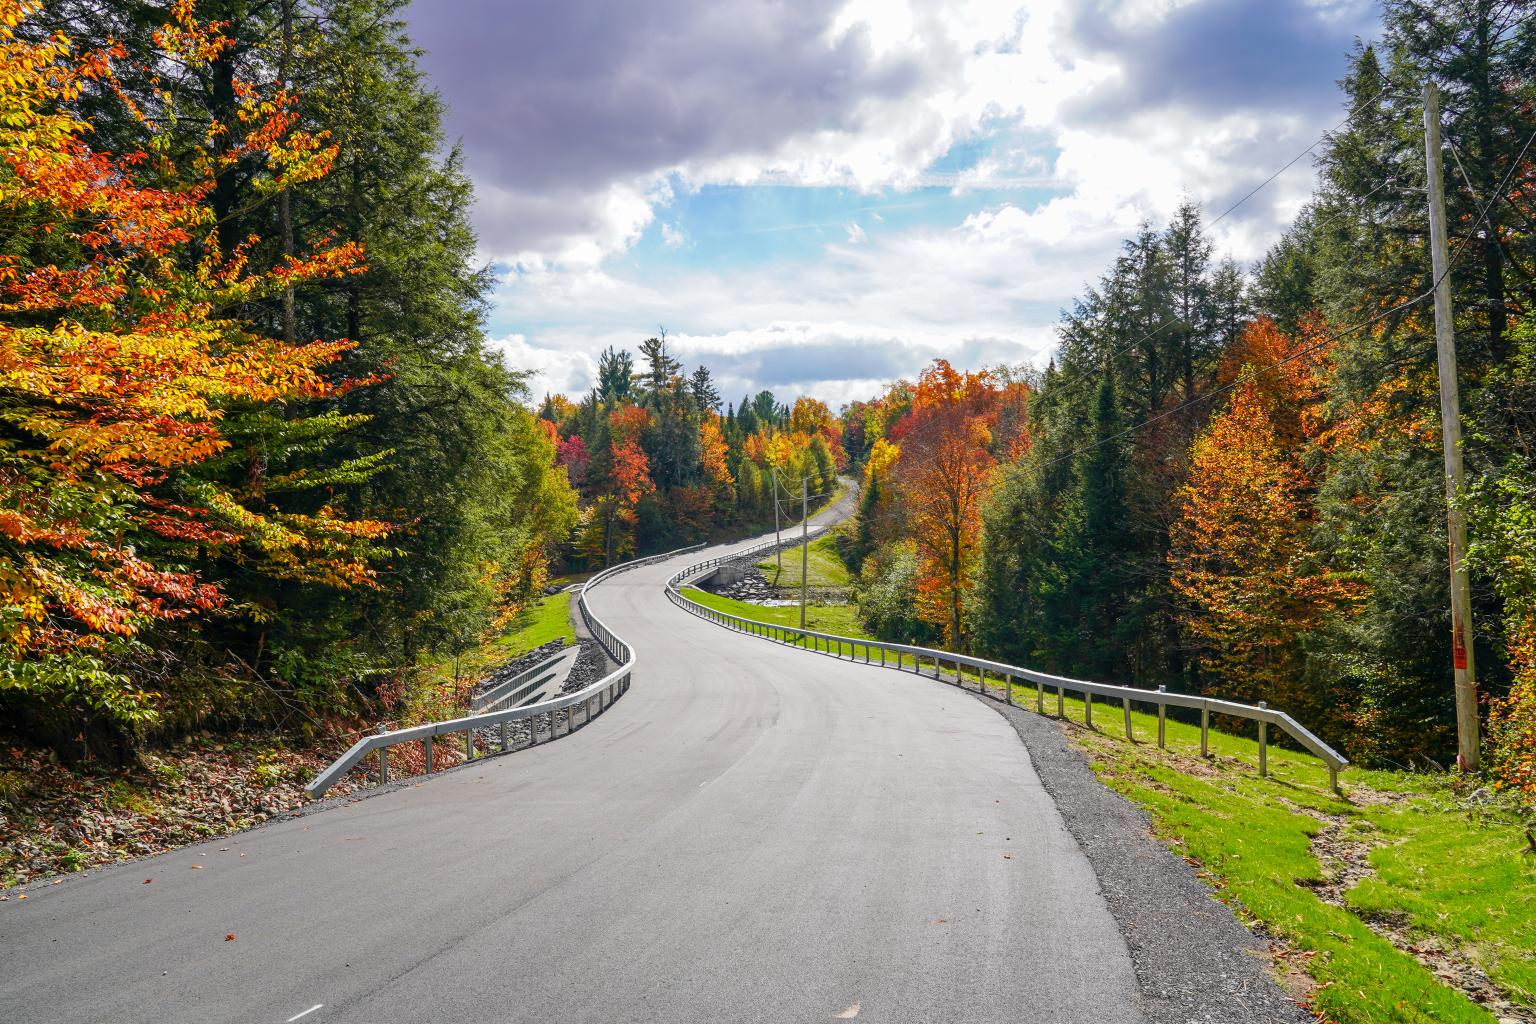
x,y
1450,426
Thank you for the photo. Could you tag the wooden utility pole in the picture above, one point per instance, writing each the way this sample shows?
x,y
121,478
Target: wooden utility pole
x,y
805,541
1450,426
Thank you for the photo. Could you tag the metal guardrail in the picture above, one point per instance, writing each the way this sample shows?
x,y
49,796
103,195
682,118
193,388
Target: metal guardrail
x,y
834,645
589,702
520,685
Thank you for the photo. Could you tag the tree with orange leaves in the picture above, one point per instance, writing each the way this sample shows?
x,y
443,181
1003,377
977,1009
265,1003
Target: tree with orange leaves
x,y
943,471
120,363
621,472
714,455
1240,555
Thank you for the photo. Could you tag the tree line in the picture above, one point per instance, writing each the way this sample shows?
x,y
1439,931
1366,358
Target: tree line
x,y
658,465
244,371
1222,482
259,465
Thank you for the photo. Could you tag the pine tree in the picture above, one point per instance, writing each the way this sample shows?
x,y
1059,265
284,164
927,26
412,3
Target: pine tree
x,y
702,387
615,371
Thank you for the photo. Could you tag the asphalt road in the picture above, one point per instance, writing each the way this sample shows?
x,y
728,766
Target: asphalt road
x,y
754,833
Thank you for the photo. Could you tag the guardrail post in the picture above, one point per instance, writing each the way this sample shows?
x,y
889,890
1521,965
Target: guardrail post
x,y
1333,779
1205,730
469,745
427,746
1125,702
882,656
1088,709
1008,687
1039,697
383,760
1263,744
506,736
1162,721
981,685
1061,702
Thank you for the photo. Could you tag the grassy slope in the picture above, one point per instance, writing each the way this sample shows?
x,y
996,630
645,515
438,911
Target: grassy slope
x,y
1454,882
1457,881
841,619
549,620
824,568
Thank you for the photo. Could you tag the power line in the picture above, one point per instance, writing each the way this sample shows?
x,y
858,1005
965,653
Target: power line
x,y
1245,377
1498,193
1148,336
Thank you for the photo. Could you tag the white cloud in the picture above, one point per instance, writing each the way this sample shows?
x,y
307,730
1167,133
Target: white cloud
x,y
981,292
1106,103
552,369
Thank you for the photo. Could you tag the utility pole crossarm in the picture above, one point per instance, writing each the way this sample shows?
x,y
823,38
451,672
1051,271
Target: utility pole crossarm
x,y
1467,738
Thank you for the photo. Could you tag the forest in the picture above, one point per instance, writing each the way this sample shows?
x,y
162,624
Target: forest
x,y
259,466
1228,480
291,535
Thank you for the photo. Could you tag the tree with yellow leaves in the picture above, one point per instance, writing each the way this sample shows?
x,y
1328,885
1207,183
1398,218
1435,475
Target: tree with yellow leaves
x,y
120,362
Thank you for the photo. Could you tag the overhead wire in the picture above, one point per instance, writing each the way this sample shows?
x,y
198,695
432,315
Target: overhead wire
x,y
1149,335
1247,376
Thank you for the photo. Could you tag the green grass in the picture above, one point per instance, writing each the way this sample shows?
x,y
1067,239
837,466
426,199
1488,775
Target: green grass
x,y
842,619
1457,881
548,620
824,569
1453,879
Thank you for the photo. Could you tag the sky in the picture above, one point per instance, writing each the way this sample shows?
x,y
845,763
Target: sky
x,y
821,197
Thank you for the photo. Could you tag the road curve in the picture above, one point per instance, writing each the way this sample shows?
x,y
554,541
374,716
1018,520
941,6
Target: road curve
x,y
754,833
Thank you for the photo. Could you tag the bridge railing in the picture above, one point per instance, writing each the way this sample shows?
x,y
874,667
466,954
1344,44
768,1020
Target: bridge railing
x,y
897,656
584,704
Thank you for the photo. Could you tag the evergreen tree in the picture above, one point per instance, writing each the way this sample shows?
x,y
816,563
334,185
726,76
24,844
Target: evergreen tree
x,y
615,371
701,387
766,409
660,376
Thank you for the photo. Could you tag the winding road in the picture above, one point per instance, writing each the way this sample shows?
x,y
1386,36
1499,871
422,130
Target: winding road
x,y
754,833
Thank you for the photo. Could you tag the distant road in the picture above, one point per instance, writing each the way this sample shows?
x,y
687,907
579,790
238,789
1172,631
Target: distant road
x,y
754,833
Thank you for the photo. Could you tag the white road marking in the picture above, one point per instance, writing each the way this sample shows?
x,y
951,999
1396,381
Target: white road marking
x,y
306,1013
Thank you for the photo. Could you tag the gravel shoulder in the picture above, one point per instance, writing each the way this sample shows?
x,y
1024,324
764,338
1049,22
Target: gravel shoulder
x,y
1194,961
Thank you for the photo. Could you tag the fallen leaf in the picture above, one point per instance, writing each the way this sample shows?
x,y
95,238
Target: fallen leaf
x,y
148,880
848,1014
1007,856
21,895
196,866
230,937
